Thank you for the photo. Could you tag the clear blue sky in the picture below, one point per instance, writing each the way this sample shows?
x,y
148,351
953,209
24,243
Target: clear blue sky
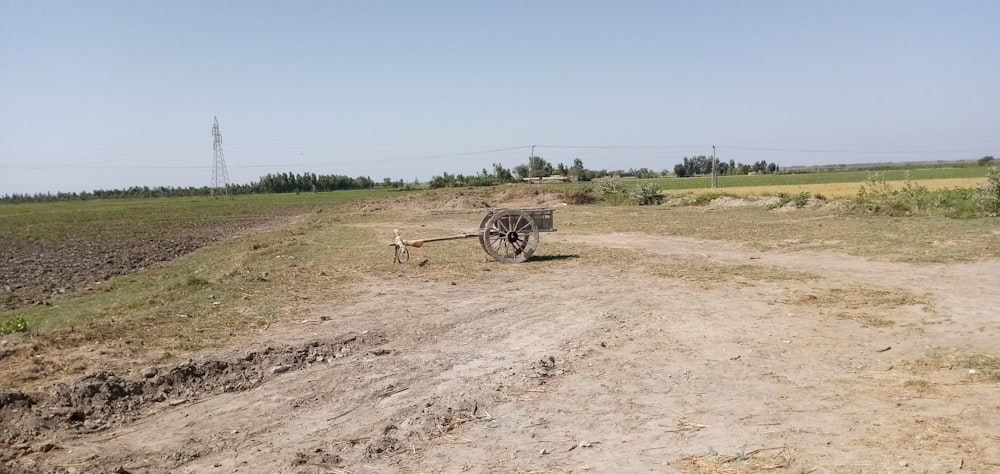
x,y
110,94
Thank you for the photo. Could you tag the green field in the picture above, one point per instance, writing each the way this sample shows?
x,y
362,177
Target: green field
x,y
114,218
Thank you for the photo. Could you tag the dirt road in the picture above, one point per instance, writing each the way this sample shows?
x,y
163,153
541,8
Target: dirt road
x,y
800,362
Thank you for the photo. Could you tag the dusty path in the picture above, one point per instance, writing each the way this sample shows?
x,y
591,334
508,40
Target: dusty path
x,y
803,362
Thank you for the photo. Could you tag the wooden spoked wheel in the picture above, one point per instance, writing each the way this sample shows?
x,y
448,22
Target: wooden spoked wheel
x,y
510,236
483,231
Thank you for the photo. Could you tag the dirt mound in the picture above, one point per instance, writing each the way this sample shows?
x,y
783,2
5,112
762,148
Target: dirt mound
x,y
104,399
516,195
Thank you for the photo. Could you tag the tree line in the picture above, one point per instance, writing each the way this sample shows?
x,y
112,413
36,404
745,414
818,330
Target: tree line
x,y
702,165
267,184
536,167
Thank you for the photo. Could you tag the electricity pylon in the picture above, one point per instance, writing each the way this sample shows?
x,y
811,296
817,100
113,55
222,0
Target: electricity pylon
x,y
220,176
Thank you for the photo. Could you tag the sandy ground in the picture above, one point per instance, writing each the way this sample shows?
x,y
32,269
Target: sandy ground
x,y
593,369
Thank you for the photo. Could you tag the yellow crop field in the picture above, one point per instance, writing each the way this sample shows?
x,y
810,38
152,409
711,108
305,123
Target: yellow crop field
x,y
837,190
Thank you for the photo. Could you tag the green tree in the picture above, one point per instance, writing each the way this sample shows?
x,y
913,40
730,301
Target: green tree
x,y
502,175
538,167
522,171
680,170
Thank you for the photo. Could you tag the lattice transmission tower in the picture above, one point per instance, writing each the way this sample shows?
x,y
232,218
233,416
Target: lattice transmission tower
x,y
220,176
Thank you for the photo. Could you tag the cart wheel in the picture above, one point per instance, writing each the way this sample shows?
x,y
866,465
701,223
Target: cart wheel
x,y
402,255
482,231
510,236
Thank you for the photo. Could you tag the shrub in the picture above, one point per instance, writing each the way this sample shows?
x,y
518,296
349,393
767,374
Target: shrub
x,y
611,186
876,196
914,196
613,191
799,199
646,194
957,203
988,195
10,326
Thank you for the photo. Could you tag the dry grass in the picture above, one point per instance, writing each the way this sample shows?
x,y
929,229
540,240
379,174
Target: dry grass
x,y
869,306
920,386
868,297
751,462
866,319
719,273
982,367
937,437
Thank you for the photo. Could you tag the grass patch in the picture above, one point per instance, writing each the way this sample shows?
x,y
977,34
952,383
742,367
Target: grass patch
x,y
866,297
866,305
985,366
197,282
932,360
982,367
867,320
797,199
12,325
920,386
701,271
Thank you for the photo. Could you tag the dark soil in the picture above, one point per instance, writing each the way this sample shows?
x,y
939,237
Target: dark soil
x,y
42,271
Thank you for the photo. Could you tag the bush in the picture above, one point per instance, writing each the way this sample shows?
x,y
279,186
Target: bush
x,y
646,194
876,196
799,199
914,196
957,203
988,195
613,191
10,326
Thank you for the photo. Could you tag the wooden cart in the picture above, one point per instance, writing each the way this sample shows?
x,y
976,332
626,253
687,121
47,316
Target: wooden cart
x,y
508,235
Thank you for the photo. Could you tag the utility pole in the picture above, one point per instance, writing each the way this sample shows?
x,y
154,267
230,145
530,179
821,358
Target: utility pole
x,y
715,169
530,160
220,176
